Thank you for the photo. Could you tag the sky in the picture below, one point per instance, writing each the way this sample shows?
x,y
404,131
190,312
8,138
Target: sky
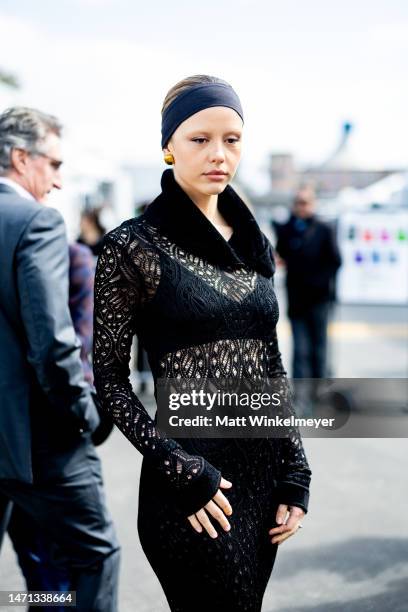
x,y
300,68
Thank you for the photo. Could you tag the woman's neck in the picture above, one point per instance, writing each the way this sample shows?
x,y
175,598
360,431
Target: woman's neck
x,y
207,203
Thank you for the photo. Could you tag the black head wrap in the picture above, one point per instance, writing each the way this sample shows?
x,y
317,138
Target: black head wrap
x,y
195,99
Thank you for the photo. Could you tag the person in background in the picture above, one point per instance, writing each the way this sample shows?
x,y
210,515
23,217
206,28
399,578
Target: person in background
x,y
48,465
81,286
91,230
310,252
81,301
31,544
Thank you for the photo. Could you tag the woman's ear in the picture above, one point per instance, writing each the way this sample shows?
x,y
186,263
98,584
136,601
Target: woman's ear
x,y
168,149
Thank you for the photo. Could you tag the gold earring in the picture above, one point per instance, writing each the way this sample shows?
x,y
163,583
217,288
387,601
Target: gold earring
x,y
169,159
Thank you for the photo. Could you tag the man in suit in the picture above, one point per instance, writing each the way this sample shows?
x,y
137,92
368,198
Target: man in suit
x,y
48,464
309,249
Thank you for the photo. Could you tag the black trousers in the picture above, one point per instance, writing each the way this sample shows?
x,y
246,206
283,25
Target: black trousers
x,y
72,530
309,331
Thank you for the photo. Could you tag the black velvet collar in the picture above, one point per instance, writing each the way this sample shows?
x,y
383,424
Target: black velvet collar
x,y
176,215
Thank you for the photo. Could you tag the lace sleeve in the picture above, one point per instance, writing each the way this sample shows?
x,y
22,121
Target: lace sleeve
x,y
120,294
294,471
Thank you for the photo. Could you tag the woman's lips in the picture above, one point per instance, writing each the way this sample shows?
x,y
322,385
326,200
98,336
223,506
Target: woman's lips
x,y
216,176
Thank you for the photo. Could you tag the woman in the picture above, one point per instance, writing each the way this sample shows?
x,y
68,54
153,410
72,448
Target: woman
x,y
91,230
192,277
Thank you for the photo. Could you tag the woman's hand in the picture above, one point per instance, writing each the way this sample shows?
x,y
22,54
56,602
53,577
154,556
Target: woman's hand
x,y
217,507
286,528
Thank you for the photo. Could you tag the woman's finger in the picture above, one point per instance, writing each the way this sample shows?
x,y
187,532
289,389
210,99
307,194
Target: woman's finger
x,y
292,523
218,514
281,513
206,523
286,530
279,529
225,484
195,524
284,536
223,502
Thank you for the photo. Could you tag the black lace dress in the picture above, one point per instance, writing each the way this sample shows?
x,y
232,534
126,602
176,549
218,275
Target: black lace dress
x,y
203,307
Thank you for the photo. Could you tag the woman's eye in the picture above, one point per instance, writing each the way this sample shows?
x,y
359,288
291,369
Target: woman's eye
x,y
202,140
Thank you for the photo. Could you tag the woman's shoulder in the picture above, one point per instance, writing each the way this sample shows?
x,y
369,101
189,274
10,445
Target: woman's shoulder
x,y
130,246
130,235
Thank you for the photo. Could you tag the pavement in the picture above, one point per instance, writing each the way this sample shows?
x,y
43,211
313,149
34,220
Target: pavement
x,y
352,554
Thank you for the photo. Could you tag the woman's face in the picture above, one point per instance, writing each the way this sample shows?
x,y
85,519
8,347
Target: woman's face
x,y
208,142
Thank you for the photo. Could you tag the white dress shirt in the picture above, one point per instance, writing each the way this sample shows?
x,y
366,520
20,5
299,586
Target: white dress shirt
x,y
16,187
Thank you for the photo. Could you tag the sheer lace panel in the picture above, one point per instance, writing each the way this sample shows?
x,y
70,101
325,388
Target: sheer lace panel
x,y
236,286
147,262
236,358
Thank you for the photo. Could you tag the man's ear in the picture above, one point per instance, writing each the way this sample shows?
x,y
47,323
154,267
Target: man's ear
x,y
19,158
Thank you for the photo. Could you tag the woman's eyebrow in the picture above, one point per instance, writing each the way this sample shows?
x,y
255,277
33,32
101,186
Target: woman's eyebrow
x,y
205,133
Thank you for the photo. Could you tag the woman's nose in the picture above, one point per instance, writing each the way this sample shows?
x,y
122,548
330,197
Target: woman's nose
x,y
218,154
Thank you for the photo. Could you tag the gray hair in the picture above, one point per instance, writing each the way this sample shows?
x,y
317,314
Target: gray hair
x,y
24,128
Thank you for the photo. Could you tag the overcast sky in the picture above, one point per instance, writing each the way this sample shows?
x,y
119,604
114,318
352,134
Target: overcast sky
x,y
301,69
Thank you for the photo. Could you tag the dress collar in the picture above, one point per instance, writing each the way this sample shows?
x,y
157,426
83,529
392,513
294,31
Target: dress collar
x,y
176,215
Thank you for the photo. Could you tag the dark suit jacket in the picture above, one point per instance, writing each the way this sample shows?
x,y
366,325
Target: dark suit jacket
x,y
45,403
312,259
